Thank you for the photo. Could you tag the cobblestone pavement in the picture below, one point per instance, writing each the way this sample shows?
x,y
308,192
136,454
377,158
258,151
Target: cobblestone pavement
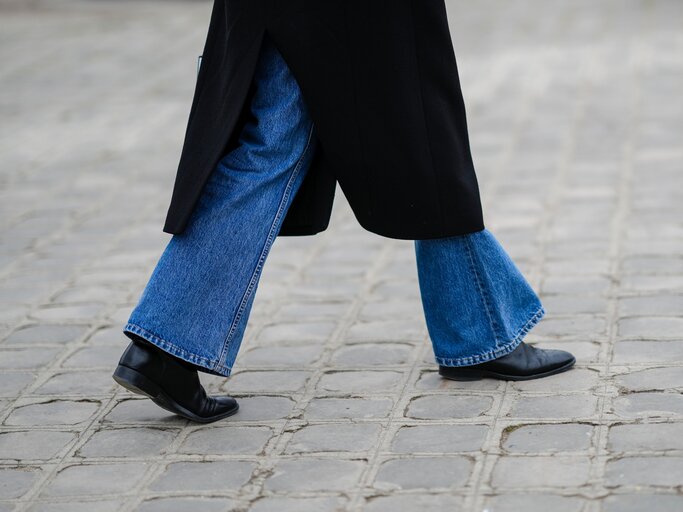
x,y
576,120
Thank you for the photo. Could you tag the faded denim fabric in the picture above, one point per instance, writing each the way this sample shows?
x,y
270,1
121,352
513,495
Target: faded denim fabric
x,y
197,301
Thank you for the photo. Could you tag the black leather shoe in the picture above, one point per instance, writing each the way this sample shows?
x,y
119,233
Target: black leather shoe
x,y
170,383
523,363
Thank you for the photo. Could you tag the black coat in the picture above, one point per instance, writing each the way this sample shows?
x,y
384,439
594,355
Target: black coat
x,y
379,78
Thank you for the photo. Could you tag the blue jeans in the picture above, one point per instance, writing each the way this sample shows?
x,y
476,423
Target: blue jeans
x,y
197,301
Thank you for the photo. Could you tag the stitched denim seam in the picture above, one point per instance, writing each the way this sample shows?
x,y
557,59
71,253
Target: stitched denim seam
x,y
268,242
498,352
175,350
484,296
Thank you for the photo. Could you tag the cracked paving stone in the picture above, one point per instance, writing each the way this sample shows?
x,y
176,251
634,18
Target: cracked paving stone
x,y
204,476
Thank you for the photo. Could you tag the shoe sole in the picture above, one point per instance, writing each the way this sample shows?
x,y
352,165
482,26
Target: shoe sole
x,y
465,374
137,383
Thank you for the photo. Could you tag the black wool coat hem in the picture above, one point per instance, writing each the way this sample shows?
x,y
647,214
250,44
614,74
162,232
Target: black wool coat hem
x,y
380,80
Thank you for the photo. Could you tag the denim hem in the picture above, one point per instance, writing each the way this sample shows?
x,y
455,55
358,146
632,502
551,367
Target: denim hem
x,y
498,352
213,367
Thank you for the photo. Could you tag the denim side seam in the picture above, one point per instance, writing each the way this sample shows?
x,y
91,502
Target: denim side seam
x,y
487,305
498,352
175,350
264,251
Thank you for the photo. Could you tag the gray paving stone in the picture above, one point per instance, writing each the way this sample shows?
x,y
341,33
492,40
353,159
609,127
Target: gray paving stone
x,y
644,471
185,504
299,332
59,412
658,379
34,444
649,405
335,437
360,381
12,383
80,312
663,352
373,354
258,408
646,437
442,407
15,482
19,359
651,327
584,351
76,506
226,440
432,381
127,442
534,503
351,408
204,476
284,504
639,502
584,326
141,411
411,502
553,471
651,305
423,473
267,381
554,406
286,357
46,333
308,310
87,383
95,479
313,474
576,379
89,357
548,438
393,330
439,438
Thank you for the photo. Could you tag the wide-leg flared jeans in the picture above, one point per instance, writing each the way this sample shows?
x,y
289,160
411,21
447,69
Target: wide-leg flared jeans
x,y
196,304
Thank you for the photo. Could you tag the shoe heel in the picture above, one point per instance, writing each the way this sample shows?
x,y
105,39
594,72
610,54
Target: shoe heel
x,y
462,375
136,382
